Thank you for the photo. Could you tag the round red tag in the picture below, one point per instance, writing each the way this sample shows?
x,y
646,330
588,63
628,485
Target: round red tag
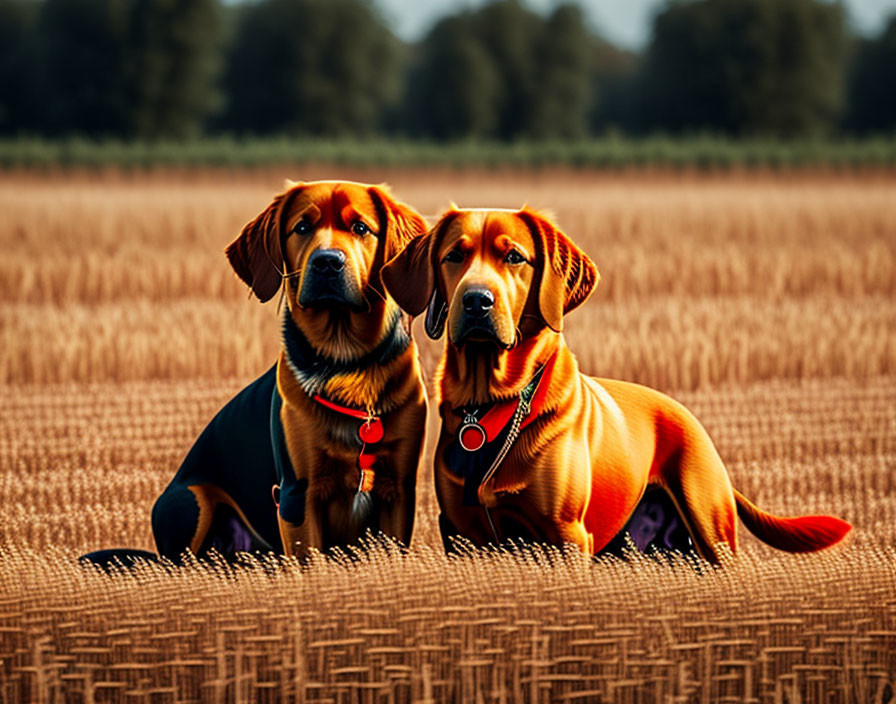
x,y
472,437
371,431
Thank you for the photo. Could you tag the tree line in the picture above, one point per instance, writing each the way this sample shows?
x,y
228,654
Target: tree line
x,y
151,69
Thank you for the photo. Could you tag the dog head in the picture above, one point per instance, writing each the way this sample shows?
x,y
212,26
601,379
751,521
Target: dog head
x,y
327,239
491,276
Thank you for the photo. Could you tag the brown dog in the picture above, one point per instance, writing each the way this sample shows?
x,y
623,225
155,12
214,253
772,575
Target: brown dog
x,y
531,448
336,427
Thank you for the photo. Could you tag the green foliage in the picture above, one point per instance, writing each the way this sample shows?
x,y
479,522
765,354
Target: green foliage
x,y
179,69
504,72
457,90
507,31
17,76
322,67
84,52
140,68
771,67
612,152
173,51
615,92
872,83
562,98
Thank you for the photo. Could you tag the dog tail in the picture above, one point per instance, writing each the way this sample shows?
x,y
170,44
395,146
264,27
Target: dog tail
x,y
793,534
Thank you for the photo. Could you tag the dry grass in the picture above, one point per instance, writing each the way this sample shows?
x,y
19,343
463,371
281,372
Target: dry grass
x,y
482,628
743,279
765,303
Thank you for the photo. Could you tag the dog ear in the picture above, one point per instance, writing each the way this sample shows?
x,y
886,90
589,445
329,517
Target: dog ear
x,y
410,278
564,274
256,255
399,223
436,315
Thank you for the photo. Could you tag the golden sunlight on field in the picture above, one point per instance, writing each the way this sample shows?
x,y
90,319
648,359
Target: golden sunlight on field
x,y
766,303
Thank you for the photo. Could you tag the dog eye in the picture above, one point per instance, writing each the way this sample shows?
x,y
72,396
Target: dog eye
x,y
360,228
455,256
514,257
303,227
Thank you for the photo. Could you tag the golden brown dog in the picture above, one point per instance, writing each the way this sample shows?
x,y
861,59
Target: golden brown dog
x,y
326,444
531,448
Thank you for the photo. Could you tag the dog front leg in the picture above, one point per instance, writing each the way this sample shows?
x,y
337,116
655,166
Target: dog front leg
x,y
396,518
300,538
398,503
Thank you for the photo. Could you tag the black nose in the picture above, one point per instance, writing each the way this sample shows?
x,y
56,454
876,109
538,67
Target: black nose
x,y
324,260
478,301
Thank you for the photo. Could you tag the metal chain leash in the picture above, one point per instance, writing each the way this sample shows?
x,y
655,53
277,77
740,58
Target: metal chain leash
x,y
522,410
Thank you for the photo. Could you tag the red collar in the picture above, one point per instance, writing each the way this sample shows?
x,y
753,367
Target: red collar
x,y
370,433
475,432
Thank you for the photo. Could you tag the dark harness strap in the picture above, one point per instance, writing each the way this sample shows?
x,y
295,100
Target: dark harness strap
x,y
278,439
288,493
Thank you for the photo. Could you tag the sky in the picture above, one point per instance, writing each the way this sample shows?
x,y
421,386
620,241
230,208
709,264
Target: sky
x,y
623,22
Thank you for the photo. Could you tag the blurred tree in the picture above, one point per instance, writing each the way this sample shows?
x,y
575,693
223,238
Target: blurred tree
x,y
83,53
503,71
615,91
133,68
508,32
311,67
173,54
872,83
456,90
18,109
563,93
148,68
746,66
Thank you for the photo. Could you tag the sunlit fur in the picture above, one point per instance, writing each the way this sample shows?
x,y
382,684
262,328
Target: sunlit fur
x,y
577,473
483,265
341,333
323,444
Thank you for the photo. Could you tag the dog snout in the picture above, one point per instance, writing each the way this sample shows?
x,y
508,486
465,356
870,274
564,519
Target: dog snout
x,y
329,280
475,316
325,261
478,301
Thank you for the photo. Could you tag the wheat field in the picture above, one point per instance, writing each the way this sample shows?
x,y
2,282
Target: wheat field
x,y
764,301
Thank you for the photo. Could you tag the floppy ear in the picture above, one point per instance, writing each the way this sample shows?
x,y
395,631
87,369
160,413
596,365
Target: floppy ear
x,y
256,255
410,278
567,275
399,223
